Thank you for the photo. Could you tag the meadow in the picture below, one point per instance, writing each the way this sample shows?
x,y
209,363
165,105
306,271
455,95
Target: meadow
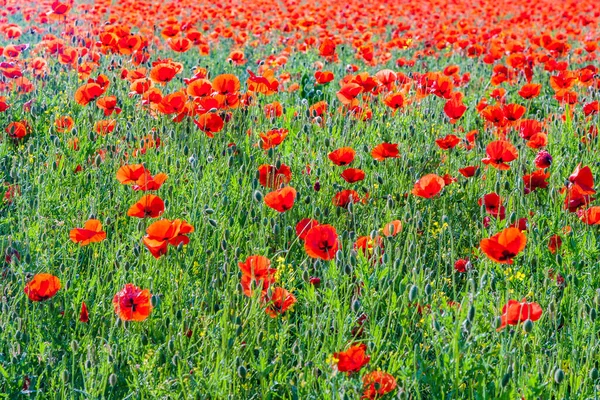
x,y
299,199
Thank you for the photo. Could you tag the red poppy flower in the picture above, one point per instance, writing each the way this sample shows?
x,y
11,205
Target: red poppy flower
x,y
448,142
164,232
584,178
515,312
499,154
273,138
366,245
392,228
493,205
385,150
42,287
591,216
535,180
377,384
352,175
504,246
577,197
90,233
256,273
278,302
543,159
353,359
428,186
304,226
342,156
282,199
554,243
132,303
469,171
84,316
321,242
462,265
149,206
272,177
345,197
455,108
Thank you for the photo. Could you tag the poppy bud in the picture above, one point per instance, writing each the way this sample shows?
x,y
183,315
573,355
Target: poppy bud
x,y
528,325
413,293
506,379
155,301
497,322
348,269
471,313
112,380
65,376
559,376
74,346
379,179
593,314
242,372
355,305
428,289
594,374
91,136
258,196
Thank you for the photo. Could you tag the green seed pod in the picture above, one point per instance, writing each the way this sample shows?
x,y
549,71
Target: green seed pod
x,y
528,326
559,376
413,293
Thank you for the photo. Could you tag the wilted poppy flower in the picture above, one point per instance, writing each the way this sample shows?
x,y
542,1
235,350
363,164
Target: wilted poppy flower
x,y
84,316
282,199
554,243
149,206
278,302
515,312
428,186
164,232
272,177
321,242
42,287
499,154
256,273
377,384
132,303
90,233
385,150
304,226
342,156
504,246
353,359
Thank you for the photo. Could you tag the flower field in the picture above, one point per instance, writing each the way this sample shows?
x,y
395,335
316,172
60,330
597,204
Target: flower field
x,y
299,199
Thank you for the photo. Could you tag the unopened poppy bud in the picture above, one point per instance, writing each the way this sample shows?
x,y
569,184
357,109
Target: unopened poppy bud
x,y
559,376
413,293
355,305
74,346
471,313
528,325
65,376
112,380
155,301
258,196
91,136
594,374
212,222
242,372
593,314
506,379
497,322
348,269
428,289
180,246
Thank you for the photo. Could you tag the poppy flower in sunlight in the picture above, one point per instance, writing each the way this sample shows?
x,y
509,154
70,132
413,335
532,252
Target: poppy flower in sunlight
x,y
132,303
64,124
282,199
385,150
367,246
42,287
90,233
493,205
577,197
377,384
428,186
448,142
342,156
499,154
353,359
454,107
392,228
530,90
164,232
256,273
352,175
321,242
18,130
543,159
584,178
304,226
272,138
469,171
272,177
515,312
323,77
535,180
278,302
84,316
462,265
591,216
504,246
345,197
87,93
149,206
